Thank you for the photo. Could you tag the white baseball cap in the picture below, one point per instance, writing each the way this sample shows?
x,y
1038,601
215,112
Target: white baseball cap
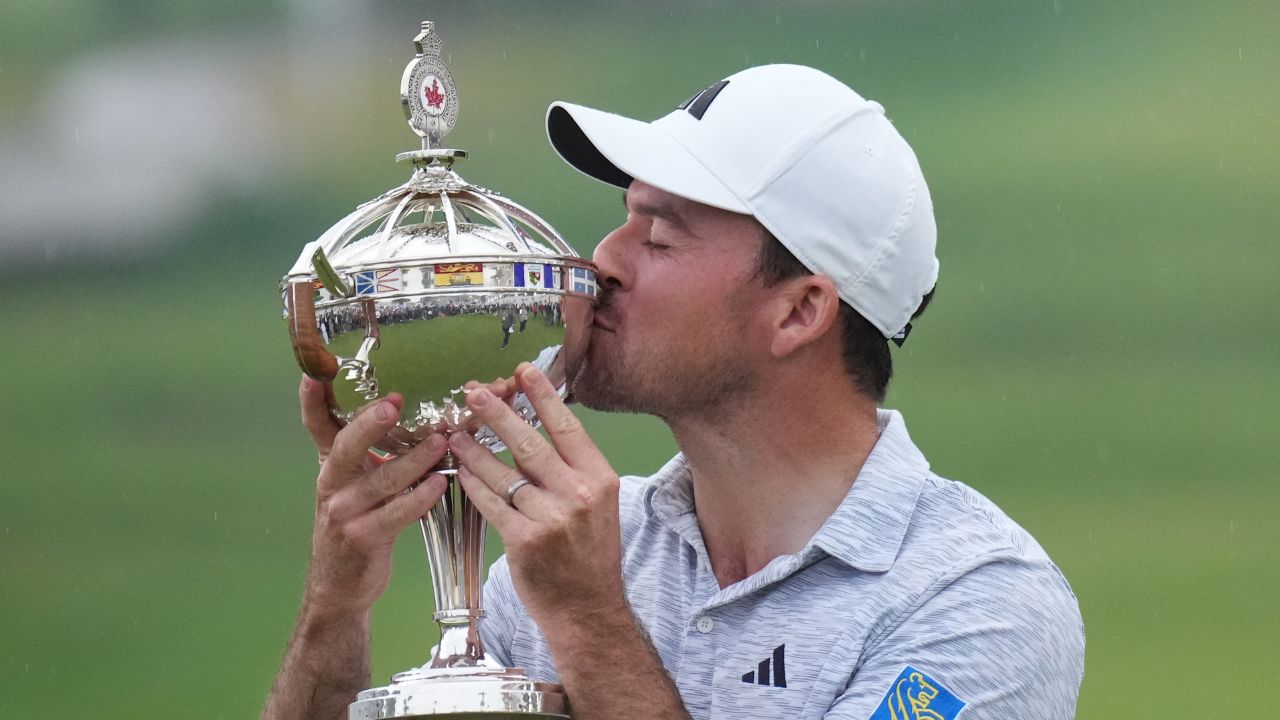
x,y
817,164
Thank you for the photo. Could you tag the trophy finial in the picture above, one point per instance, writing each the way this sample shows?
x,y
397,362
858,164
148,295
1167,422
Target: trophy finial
x,y
427,92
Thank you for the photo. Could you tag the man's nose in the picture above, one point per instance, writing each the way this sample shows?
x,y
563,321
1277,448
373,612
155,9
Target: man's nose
x,y
609,260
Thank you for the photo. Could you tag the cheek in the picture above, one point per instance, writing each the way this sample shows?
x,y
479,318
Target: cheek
x,y
705,319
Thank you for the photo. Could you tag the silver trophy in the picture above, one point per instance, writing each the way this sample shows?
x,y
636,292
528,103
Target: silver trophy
x,y
421,289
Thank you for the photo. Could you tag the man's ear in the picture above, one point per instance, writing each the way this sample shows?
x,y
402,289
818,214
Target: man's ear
x,y
808,306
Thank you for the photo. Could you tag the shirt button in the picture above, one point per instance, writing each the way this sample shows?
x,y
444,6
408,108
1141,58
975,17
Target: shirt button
x,y
705,624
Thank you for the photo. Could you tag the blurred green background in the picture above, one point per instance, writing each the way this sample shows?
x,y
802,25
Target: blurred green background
x,y
1100,360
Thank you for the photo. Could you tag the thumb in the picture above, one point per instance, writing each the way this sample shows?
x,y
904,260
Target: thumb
x,y
316,398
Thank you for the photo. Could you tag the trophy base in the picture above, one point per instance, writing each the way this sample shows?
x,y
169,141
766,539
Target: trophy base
x,y
461,693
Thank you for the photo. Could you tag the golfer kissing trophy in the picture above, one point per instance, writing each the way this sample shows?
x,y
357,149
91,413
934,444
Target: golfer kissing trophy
x,y
417,291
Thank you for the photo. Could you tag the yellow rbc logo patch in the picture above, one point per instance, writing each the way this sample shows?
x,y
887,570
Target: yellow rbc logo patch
x,y
916,696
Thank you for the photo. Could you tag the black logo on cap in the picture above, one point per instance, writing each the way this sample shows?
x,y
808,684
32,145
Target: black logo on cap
x,y
698,104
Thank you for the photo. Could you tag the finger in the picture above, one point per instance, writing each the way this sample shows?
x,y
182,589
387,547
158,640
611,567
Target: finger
x,y
317,402
495,474
504,518
384,482
505,388
502,387
382,524
571,440
313,398
531,452
351,444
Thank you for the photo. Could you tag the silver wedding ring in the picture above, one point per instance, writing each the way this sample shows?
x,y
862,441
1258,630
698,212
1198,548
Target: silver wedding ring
x,y
511,491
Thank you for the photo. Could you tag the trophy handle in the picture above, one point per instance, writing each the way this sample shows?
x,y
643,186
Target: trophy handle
x,y
308,346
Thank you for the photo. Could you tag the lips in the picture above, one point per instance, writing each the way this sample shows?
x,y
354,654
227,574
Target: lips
x,y
603,323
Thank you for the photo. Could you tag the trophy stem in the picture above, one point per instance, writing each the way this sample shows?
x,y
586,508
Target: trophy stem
x,y
454,533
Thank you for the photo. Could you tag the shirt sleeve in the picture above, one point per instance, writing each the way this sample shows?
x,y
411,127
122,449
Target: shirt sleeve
x,y
1002,640
502,611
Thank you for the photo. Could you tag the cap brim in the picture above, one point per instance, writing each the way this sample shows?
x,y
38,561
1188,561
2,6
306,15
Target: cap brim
x,y
615,150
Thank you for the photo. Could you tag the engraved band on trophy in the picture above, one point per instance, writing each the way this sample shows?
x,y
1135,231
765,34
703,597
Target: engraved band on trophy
x,y
431,284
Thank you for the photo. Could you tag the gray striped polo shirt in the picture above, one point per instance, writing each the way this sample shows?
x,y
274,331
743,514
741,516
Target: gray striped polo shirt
x,y
918,599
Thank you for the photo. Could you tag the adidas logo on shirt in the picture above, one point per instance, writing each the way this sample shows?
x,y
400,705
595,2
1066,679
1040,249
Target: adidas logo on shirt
x,y
770,671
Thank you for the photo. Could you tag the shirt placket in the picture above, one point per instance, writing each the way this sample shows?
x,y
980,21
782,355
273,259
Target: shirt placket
x,y
695,668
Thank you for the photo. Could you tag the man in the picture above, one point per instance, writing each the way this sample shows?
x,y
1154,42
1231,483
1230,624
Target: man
x,y
508,323
797,559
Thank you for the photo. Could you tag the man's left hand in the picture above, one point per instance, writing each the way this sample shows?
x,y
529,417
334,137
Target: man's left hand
x,y
561,530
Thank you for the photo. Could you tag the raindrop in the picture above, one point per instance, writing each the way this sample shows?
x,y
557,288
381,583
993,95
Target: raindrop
x,y
77,136
815,42
1240,53
1232,525
862,54
215,516
777,20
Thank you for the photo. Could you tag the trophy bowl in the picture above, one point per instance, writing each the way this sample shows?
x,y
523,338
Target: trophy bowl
x,y
433,284
430,285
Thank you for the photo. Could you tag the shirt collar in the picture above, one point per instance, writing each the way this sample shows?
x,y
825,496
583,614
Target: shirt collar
x,y
670,491
867,528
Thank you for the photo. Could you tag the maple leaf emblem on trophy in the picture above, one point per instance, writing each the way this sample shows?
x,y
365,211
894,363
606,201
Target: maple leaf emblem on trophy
x,y
435,96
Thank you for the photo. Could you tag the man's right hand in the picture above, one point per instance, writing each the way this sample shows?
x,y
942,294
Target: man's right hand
x,y
362,501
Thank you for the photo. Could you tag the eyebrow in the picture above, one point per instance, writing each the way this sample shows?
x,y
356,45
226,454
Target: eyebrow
x,y
659,211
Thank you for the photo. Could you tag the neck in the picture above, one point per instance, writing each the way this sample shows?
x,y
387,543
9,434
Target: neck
x,y
771,468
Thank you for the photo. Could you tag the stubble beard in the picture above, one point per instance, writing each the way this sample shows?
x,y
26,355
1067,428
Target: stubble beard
x,y
669,385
